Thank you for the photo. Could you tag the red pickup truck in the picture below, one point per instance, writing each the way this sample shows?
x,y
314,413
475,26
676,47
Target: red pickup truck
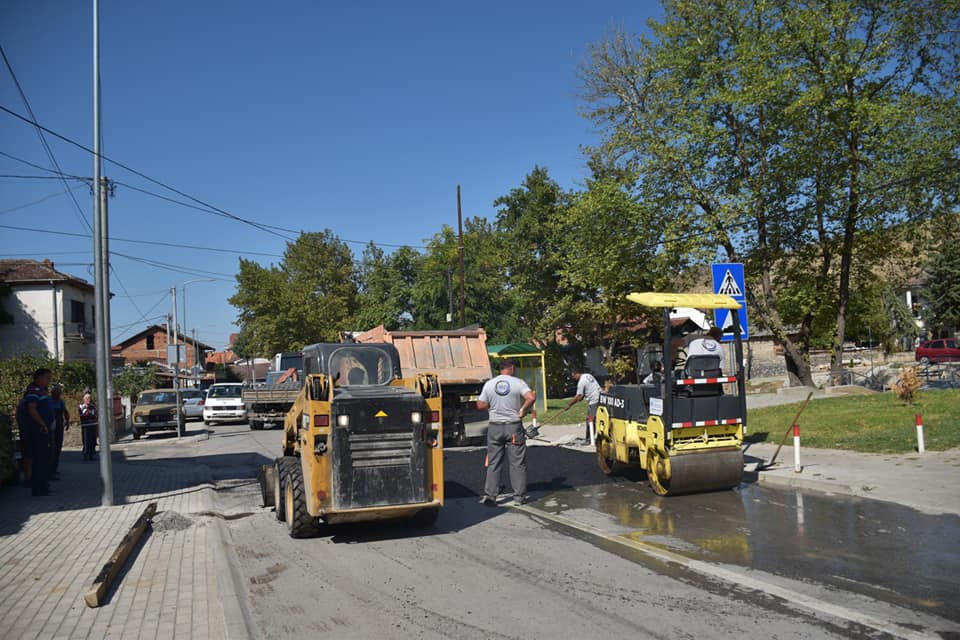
x,y
943,350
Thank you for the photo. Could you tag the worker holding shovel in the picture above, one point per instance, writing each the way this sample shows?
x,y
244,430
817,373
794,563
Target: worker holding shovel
x,y
587,388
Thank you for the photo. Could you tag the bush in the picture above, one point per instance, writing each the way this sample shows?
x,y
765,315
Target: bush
x,y
907,385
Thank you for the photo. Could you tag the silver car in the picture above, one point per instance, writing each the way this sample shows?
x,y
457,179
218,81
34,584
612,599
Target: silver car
x,y
193,403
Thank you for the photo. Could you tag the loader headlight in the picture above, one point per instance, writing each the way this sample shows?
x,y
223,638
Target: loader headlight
x,y
343,420
416,417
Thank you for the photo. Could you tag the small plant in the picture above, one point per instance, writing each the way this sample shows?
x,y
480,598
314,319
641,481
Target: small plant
x,y
907,385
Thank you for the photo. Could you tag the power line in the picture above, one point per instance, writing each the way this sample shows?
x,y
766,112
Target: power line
x,y
224,277
127,293
11,176
204,206
35,202
43,140
158,243
212,208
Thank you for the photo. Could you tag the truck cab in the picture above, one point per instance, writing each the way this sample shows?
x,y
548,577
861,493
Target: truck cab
x,y
361,442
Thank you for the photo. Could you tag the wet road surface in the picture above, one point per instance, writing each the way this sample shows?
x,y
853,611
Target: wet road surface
x,y
795,563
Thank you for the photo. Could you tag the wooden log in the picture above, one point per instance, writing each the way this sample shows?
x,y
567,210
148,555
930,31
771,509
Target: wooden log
x,y
103,581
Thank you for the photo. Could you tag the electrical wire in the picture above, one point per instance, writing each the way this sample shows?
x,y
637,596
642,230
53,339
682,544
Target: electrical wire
x,y
212,209
157,243
223,277
43,140
275,230
35,202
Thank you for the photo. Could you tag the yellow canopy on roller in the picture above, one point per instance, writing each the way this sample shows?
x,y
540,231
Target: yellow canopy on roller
x,y
695,300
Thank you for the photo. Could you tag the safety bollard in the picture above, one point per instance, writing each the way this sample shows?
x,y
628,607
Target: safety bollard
x,y
593,433
796,449
919,434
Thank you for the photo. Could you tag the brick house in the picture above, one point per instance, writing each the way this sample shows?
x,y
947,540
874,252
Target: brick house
x,y
150,346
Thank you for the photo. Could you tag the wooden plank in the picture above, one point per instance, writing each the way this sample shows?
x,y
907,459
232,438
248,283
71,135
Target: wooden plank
x,y
103,581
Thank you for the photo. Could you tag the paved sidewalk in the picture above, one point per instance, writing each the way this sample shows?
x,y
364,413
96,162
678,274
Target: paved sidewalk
x,y
51,549
929,483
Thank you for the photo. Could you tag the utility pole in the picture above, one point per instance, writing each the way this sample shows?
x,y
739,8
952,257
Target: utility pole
x,y
101,283
176,358
463,314
196,360
450,292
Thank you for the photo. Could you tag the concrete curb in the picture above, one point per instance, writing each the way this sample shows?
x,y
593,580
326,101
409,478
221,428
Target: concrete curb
x,y
236,611
797,481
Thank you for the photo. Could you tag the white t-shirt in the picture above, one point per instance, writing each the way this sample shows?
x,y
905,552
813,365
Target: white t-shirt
x,y
706,347
588,388
504,395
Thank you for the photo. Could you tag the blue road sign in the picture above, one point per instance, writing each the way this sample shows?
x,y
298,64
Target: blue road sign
x,y
728,280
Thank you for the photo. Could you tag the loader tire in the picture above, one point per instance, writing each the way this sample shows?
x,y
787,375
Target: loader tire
x,y
300,524
281,466
267,479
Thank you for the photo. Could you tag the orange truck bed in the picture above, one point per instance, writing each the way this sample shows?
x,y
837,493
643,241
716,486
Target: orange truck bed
x,y
457,357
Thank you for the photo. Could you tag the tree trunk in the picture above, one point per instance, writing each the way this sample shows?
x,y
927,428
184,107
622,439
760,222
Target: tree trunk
x,y
798,366
846,252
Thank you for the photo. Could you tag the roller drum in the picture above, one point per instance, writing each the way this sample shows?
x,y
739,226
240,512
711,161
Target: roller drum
x,y
703,471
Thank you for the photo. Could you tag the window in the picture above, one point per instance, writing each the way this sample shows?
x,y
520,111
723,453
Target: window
x,y
360,366
77,312
150,343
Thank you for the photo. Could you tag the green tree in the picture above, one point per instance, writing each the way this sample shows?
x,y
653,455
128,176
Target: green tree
x,y
942,291
132,380
386,285
488,301
309,297
792,136
528,221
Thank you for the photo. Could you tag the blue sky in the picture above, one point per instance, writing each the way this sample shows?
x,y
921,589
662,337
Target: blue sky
x,y
358,117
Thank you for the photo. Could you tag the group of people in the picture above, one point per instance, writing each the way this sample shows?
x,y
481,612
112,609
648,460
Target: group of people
x,y
43,419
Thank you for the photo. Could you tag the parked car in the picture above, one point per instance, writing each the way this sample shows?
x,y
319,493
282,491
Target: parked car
x,y
943,350
193,403
156,410
224,403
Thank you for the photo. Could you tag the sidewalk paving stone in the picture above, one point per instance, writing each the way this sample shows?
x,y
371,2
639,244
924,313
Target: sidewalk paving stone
x,y
53,547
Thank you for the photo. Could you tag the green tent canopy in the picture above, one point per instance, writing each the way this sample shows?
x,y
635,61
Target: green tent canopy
x,y
531,366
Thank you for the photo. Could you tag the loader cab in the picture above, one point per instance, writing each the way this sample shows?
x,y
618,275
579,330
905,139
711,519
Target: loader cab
x,y
354,364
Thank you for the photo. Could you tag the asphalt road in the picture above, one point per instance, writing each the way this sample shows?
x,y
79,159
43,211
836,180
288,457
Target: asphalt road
x,y
589,557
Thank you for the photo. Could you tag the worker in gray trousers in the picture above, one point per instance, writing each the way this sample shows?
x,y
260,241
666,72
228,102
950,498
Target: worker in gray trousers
x,y
508,399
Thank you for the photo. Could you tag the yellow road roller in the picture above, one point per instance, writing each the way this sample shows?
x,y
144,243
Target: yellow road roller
x,y
686,427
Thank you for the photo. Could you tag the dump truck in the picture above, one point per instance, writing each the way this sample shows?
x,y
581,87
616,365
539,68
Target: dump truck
x,y
360,443
267,404
459,359
686,429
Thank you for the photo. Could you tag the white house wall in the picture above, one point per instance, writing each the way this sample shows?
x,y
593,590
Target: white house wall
x,y
38,322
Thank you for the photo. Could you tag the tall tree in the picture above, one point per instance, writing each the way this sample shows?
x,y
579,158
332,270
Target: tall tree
x,y
488,300
789,135
309,297
529,222
942,291
386,287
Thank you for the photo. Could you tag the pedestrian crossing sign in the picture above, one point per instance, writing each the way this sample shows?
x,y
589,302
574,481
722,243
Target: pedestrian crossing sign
x,y
728,280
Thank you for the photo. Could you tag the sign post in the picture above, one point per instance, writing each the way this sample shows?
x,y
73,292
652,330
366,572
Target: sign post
x,y
728,280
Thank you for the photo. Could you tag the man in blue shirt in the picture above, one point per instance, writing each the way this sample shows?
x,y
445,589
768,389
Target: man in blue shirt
x,y
36,419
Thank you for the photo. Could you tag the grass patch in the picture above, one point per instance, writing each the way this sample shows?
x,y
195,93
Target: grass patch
x,y
877,423
576,415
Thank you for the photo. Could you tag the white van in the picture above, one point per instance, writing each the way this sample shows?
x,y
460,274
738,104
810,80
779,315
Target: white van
x,y
224,403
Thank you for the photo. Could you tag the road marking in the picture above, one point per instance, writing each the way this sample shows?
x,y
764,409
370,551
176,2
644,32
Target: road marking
x,y
716,571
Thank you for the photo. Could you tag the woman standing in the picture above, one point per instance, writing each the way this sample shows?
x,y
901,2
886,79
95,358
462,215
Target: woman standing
x,y
89,420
